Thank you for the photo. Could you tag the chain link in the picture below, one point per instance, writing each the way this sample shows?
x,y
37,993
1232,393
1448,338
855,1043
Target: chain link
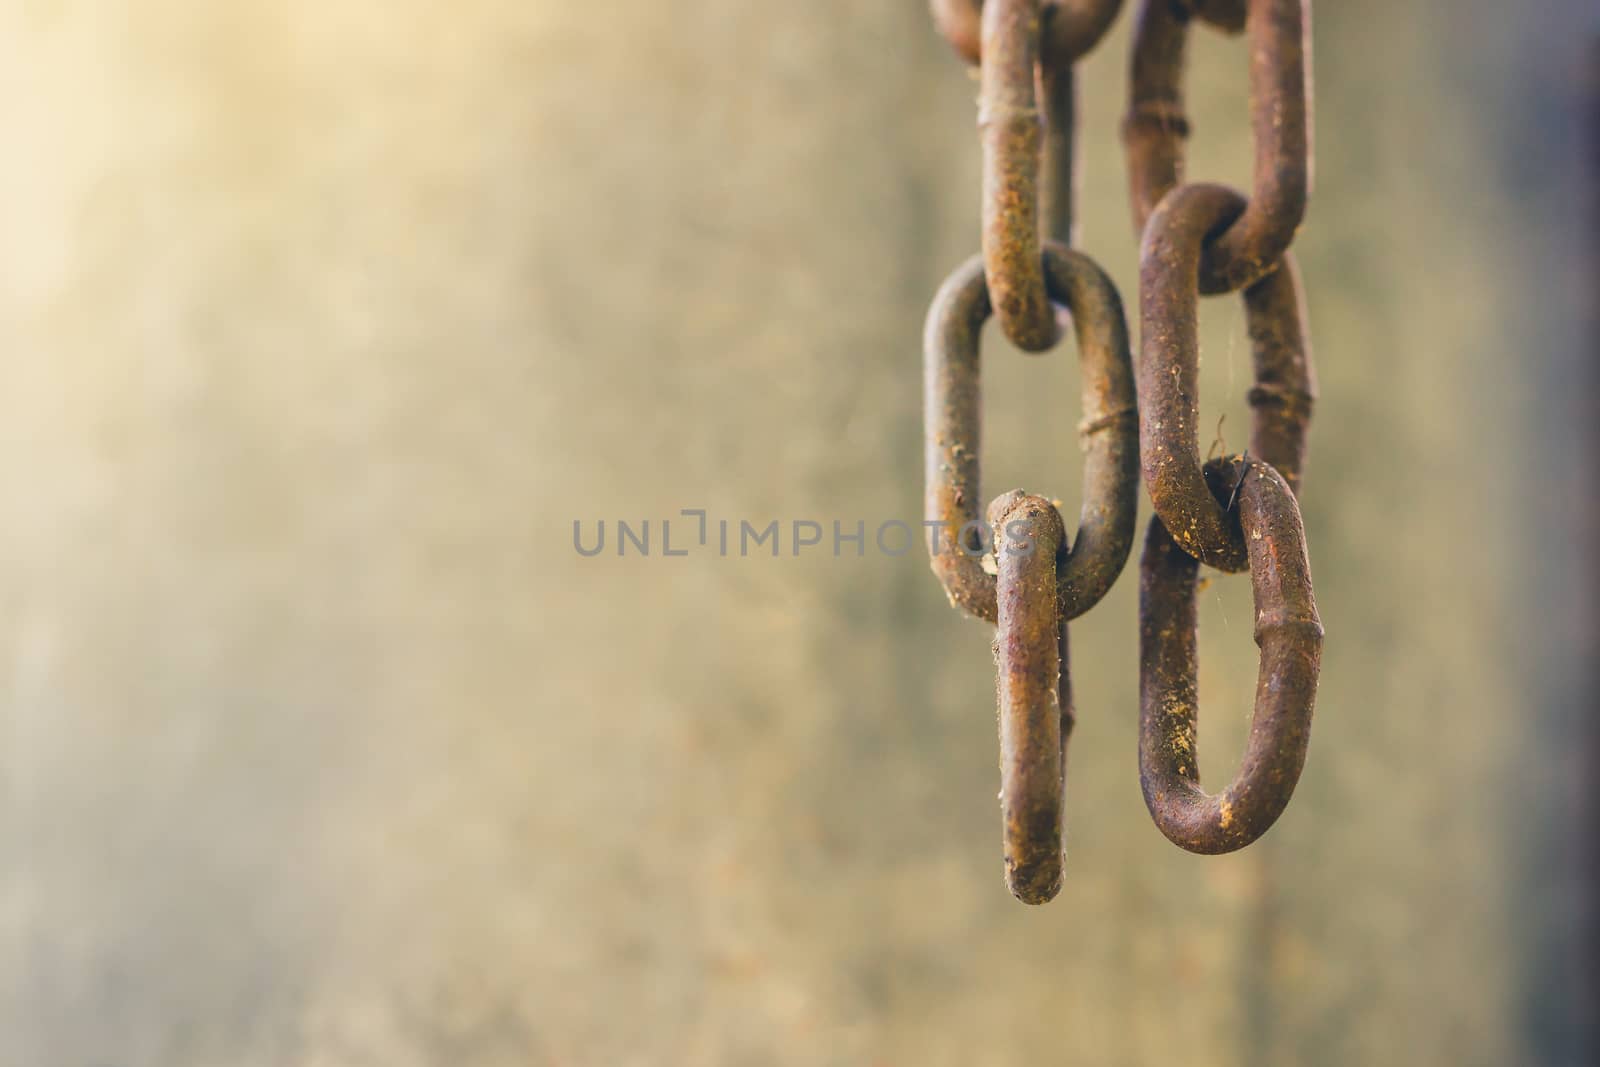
x,y
1030,650
1156,128
1109,434
1067,31
1289,634
1012,132
1169,372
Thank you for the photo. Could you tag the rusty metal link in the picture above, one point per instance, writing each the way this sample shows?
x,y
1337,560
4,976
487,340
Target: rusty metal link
x,y
1030,651
952,421
1011,128
1289,634
1155,128
1169,401
1069,28
1067,31
1027,116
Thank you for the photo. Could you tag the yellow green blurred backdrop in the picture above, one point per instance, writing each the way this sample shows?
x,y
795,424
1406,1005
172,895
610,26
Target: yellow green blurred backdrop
x,y
323,323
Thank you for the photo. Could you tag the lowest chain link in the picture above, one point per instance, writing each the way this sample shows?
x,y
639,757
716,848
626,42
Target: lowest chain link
x,y
1033,690
1289,634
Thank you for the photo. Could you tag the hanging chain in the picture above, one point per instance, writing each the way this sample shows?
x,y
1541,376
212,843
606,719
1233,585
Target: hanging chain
x,y
1242,511
1039,579
1015,567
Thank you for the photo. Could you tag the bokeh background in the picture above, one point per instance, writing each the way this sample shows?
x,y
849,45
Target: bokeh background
x,y
323,323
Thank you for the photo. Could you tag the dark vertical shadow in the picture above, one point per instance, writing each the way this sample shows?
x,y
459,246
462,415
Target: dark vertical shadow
x,y
1552,175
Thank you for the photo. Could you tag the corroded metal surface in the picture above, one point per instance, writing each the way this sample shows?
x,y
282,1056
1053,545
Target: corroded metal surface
x,y
1011,129
1285,386
1289,634
952,421
1066,32
1029,646
1285,389
1156,125
1155,129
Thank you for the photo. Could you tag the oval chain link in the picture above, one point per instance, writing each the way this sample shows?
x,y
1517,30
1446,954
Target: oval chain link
x,y
1109,434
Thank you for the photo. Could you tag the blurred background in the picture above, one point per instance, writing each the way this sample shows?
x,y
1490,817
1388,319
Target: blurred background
x,y
323,325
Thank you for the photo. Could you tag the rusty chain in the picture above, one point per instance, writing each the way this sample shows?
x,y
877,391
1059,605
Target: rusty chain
x,y
1015,566
1039,579
1243,511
